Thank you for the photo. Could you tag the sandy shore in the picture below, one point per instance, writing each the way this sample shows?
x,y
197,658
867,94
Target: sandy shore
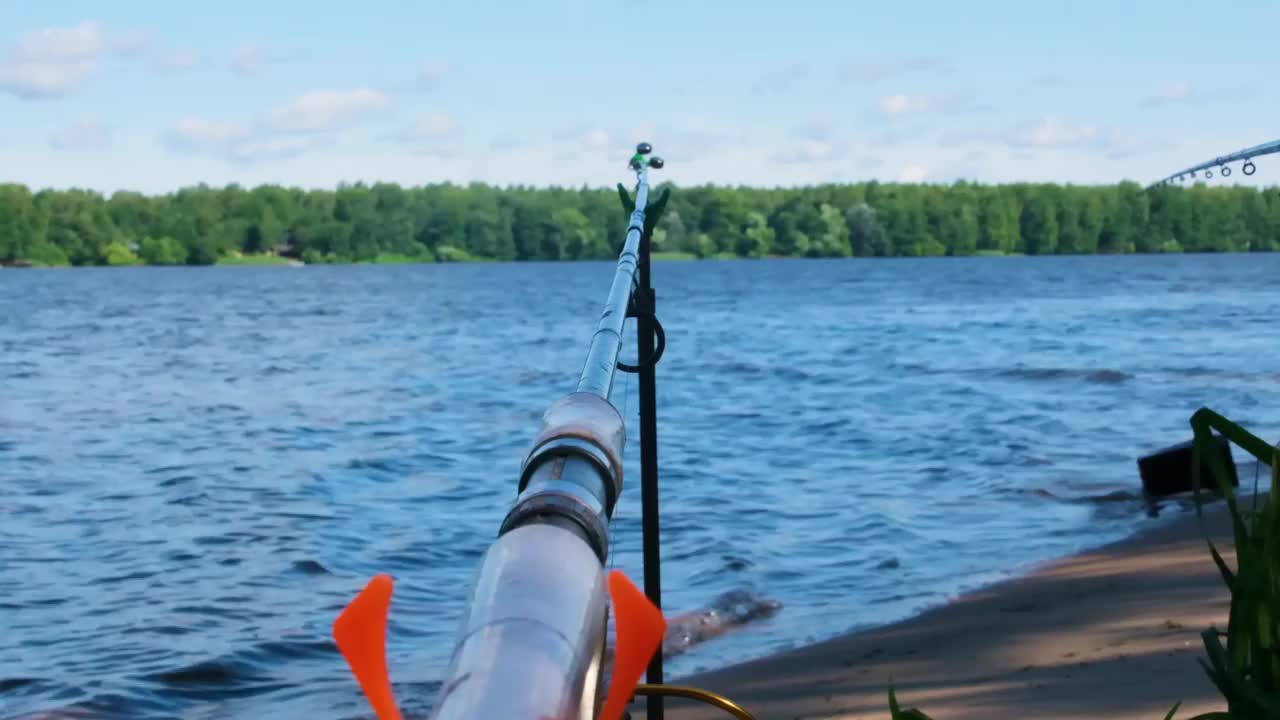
x,y
1112,633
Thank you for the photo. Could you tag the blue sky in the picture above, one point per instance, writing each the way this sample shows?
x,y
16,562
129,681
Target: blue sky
x,y
151,96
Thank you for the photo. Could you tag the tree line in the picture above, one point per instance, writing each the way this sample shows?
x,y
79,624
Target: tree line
x,y
383,222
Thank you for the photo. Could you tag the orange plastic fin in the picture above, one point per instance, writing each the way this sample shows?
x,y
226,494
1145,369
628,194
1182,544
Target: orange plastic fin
x,y
361,634
640,629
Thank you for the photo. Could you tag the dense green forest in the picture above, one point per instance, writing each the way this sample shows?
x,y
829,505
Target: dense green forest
x,y
387,223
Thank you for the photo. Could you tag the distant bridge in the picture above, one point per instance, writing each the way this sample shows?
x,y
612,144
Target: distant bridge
x,y
1222,163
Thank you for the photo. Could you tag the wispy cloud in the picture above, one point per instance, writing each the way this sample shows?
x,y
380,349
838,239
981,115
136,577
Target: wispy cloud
x,y
1041,83
52,62
1171,93
279,147
815,141
432,75
177,60
237,142
130,43
955,103
197,134
1052,134
434,134
83,134
506,142
873,71
304,123
324,110
1183,92
902,104
251,58
781,79
802,150
822,127
583,138
913,174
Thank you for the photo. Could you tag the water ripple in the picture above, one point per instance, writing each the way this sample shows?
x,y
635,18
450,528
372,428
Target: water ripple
x,y
190,499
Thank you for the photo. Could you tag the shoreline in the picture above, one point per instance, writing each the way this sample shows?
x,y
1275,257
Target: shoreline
x,y
659,256
1113,632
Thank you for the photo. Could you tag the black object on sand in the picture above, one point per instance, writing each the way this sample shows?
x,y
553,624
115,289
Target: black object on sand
x,y
1168,471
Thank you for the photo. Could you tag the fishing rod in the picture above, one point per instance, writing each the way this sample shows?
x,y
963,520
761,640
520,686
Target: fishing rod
x,y
532,640
1222,162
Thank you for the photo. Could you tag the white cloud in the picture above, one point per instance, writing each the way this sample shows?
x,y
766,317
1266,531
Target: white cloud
x,y
247,59
1184,92
237,142
51,62
34,81
280,147
132,43
596,139
252,59
901,104
820,128
434,126
812,142
323,110
587,139
912,174
1171,93
781,79
810,151
431,134
870,71
83,134
506,142
196,134
1050,132
77,43
178,60
432,75
301,125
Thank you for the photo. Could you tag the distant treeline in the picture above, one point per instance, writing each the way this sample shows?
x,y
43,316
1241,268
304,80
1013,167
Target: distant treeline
x,y
386,222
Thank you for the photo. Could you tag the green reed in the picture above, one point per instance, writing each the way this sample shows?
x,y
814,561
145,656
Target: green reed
x,y
1247,670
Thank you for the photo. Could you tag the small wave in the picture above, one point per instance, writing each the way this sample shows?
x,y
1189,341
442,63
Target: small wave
x,y
382,466
241,673
310,567
1104,375
1115,496
10,684
111,580
208,672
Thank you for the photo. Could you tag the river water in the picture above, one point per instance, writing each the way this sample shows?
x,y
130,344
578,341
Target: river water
x,y
200,466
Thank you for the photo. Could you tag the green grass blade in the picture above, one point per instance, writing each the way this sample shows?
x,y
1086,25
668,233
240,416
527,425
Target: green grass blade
x,y
897,713
628,205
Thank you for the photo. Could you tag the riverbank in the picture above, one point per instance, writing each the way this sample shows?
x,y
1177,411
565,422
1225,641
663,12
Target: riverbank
x,y
1110,633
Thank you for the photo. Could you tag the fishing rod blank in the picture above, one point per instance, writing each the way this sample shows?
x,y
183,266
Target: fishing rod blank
x,y
1222,162
532,637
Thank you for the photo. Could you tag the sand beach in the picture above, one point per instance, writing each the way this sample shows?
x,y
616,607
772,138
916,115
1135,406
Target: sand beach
x,y
1110,633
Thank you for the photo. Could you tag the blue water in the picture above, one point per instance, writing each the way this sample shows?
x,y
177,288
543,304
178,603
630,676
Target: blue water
x,y
199,467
